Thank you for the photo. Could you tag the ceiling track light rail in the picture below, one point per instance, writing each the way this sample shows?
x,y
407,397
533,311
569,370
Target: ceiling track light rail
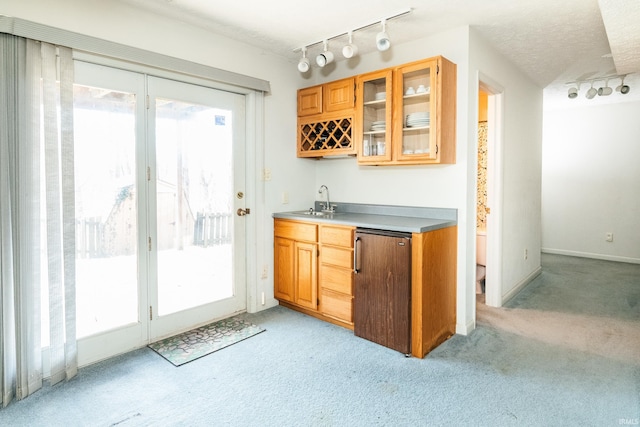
x,y
605,90
383,42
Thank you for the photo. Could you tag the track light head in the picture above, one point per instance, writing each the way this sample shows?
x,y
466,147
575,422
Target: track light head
x,y
573,93
591,93
304,64
623,88
383,42
326,57
350,50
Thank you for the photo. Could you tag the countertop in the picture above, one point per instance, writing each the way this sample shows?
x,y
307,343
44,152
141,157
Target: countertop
x,y
407,219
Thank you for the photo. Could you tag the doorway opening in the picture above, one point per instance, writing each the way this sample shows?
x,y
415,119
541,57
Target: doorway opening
x,y
489,194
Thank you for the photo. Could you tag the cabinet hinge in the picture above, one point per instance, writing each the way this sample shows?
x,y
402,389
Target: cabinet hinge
x,y
150,312
149,243
437,69
148,101
436,149
148,173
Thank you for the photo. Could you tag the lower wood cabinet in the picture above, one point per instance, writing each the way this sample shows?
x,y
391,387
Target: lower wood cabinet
x,y
296,263
313,274
313,265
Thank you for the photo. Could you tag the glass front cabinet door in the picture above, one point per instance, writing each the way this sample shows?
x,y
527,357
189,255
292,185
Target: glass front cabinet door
x,y
407,114
374,117
415,99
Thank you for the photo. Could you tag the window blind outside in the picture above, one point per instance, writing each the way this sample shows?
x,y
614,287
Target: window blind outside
x,y
32,30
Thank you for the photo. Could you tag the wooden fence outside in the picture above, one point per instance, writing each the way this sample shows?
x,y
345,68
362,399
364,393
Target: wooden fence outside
x,y
212,229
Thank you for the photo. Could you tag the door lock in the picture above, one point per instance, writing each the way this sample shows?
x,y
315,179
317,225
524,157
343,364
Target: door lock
x,y
243,212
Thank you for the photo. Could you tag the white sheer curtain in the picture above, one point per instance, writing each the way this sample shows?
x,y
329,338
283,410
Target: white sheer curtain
x,y
36,146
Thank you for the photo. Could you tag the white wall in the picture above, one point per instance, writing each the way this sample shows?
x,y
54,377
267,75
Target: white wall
x,y
521,160
591,181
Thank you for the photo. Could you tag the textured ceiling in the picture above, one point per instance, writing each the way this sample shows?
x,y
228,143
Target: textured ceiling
x,y
622,22
553,42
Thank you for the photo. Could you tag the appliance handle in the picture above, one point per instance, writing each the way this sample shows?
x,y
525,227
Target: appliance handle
x,y
355,255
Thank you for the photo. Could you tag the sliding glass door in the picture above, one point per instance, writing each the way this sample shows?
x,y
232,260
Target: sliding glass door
x,y
159,166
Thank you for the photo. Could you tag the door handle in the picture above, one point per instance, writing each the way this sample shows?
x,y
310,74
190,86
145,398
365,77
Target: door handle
x,y
243,212
355,255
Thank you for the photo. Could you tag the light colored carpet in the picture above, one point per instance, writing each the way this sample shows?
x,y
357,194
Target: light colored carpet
x,y
554,356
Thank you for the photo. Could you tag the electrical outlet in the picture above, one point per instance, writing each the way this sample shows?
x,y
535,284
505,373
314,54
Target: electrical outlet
x,y
285,197
609,237
526,253
266,174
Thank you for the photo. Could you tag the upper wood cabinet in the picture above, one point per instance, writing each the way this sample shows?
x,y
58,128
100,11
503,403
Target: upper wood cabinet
x,y
407,114
374,117
327,98
325,119
310,101
338,95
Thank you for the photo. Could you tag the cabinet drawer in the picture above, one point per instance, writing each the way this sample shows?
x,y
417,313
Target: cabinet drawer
x,y
336,279
336,256
337,305
296,230
337,236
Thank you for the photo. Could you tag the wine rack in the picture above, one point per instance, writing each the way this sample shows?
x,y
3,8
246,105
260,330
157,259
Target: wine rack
x,y
330,137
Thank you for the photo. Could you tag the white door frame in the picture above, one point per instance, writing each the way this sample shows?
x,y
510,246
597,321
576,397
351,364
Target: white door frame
x,y
495,188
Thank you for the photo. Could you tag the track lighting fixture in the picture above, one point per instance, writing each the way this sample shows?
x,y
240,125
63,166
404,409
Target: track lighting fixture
x,y
382,39
304,65
623,88
350,50
605,90
326,57
383,42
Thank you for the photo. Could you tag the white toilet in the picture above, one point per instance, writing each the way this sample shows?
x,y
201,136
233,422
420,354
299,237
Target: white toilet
x,y
481,259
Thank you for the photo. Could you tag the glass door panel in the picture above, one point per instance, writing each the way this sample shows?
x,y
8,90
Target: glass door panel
x,y
194,197
106,209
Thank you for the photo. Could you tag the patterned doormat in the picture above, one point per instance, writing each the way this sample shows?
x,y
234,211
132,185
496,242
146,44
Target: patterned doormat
x,y
191,345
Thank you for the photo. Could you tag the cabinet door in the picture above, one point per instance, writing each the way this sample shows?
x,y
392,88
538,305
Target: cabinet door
x,y
310,101
284,272
415,98
306,274
339,95
373,130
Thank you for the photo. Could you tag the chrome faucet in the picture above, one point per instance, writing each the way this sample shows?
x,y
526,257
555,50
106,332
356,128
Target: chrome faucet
x,y
328,207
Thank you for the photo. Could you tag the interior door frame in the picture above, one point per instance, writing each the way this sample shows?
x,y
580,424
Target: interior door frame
x,y
495,188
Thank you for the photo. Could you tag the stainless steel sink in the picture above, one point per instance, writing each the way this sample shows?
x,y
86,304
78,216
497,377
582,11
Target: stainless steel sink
x,y
315,213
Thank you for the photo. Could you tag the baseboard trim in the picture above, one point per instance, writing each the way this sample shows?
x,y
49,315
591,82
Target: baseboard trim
x,y
521,285
591,255
466,329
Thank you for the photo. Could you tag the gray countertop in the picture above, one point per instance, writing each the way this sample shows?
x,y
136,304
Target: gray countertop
x,y
383,217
